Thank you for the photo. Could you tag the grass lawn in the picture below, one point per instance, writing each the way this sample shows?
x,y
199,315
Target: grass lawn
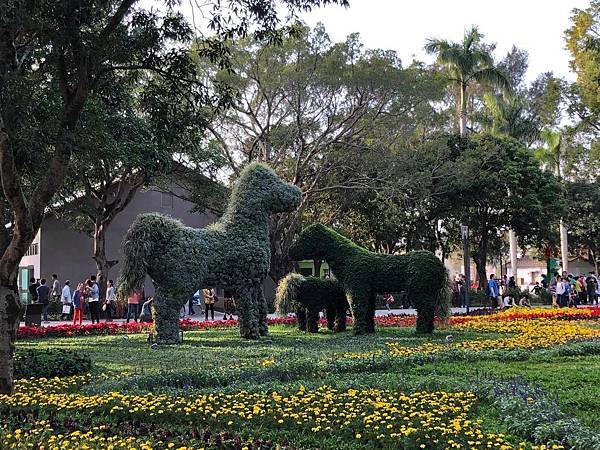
x,y
219,365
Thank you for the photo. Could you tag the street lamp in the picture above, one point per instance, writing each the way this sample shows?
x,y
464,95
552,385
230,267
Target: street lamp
x,y
464,231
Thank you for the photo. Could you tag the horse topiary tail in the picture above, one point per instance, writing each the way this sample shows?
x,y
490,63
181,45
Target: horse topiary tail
x,y
286,297
137,247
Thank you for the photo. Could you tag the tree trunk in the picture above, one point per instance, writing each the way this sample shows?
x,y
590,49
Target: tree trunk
x,y
462,112
564,246
512,240
480,263
10,311
103,265
480,259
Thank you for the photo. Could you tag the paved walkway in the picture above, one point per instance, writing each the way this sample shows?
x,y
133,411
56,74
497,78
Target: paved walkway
x,y
219,316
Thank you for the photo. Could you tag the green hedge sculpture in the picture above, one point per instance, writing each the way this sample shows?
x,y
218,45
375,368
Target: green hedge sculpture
x,y
233,252
364,274
307,296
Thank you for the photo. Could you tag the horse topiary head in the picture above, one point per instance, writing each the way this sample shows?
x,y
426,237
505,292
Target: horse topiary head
x,y
259,189
310,243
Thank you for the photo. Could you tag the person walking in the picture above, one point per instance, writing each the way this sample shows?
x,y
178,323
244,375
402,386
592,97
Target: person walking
x,y
209,303
591,283
493,291
228,305
78,302
132,306
111,301
561,291
389,299
33,285
66,299
191,311
94,299
43,293
55,291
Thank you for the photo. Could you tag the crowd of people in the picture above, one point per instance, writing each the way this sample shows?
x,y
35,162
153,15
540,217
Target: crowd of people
x,y
573,290
93,298
565,290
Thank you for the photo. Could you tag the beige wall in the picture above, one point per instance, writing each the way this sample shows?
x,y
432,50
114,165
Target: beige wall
x,y
69,253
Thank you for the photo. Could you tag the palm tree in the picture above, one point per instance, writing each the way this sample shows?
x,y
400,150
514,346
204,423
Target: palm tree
x,y
508,117
467,62
551,155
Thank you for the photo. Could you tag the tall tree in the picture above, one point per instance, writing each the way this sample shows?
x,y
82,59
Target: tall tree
x,y
467,63
71,48
308,108
583,198
490,167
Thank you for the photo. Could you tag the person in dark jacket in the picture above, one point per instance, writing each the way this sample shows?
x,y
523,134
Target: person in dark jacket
x,y
33,285
43,293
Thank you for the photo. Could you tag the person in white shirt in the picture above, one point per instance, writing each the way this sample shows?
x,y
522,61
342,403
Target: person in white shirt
x,y
560,292
55,291
111,301
66,299
94,299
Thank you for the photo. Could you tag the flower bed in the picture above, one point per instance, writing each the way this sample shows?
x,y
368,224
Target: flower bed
x,y
369,417
509,315
108,328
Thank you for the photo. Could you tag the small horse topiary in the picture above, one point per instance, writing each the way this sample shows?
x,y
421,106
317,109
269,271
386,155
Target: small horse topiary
x,y
234,252
363,274
307,296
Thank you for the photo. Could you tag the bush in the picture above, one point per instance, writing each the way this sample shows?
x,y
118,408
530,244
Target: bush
x,y
527,411
477,298
49,363
545,298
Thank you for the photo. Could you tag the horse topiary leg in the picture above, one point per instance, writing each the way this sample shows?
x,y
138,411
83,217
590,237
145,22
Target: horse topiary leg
x,y
340,319
425,305
312,319
371,312
301,318
166,318
248,313
331,316
263,310
358,300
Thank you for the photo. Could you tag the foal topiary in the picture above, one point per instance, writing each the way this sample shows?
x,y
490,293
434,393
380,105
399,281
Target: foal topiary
x,y
234,253
364,274
307,296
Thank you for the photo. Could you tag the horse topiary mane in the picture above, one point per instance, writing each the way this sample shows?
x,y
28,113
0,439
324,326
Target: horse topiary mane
x,y
363,274
234,253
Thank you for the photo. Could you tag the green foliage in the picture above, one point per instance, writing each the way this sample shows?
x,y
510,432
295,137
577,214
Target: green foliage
x,y
583,200
363,274
48,363
233,253
584,45
529,412
501,187
307,296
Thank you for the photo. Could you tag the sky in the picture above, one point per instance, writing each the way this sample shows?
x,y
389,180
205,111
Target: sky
x,y
536,26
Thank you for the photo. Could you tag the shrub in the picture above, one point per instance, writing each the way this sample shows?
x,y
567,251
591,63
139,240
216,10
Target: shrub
x,y
307,296
527,411
363,274
49,363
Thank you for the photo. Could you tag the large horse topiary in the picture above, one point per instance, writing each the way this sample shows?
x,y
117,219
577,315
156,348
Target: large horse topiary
x,y
307,296
364,274
233,252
